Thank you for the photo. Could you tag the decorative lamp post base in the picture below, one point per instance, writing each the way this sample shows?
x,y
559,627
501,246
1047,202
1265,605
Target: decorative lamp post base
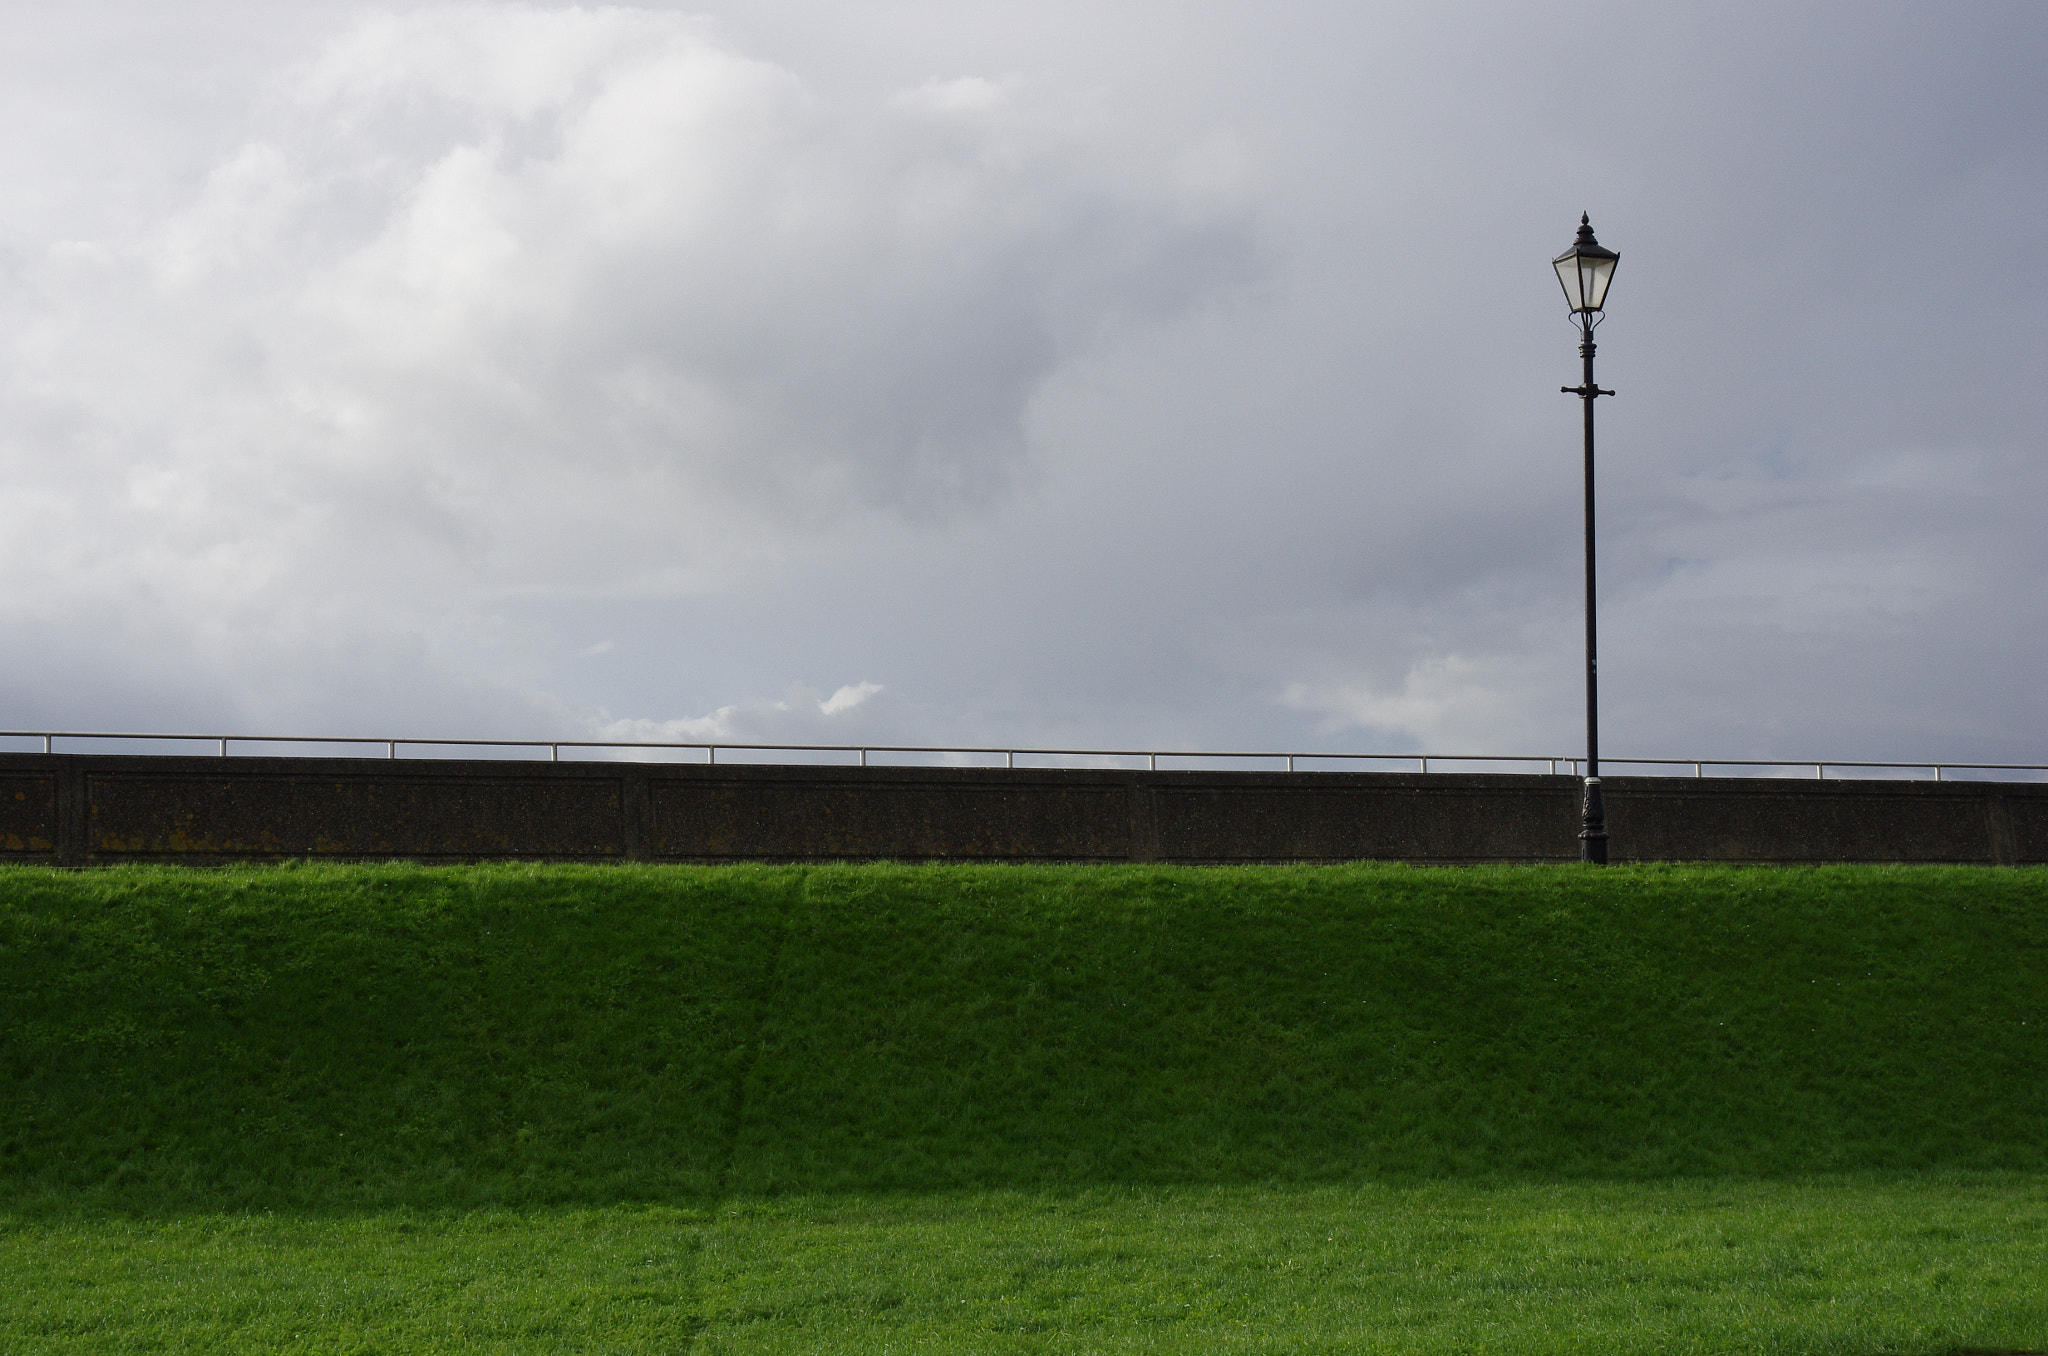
x,y
1593,826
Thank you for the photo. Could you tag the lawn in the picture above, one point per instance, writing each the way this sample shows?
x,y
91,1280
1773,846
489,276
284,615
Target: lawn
x,y
527,1108
1855,1266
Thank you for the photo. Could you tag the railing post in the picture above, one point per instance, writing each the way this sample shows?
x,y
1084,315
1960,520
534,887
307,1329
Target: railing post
x,y
710,754
1425,764
554,753
1009,758
1152,762
390,748
223,746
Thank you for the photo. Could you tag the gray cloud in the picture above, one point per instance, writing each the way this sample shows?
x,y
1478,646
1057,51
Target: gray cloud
x,y
1070,373
515,304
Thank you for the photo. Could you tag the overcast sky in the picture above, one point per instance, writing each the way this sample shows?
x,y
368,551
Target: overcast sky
x,y
1112,373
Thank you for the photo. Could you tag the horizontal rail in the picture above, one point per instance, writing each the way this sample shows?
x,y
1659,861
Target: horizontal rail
x,y
1566,764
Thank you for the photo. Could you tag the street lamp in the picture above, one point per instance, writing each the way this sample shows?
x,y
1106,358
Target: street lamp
x,y
1585,270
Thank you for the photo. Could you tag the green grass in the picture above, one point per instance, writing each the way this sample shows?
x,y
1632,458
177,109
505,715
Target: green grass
x,y
1001,1108
1850,1266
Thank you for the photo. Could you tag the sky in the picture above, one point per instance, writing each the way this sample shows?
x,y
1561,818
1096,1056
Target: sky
x,y
1120,374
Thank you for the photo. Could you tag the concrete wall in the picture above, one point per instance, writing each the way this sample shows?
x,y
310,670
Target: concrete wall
x,y
83,809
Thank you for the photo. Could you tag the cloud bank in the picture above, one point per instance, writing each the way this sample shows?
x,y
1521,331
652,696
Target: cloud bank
x,y
508,304
1058,374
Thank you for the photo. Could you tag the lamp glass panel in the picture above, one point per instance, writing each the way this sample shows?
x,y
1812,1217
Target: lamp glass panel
x,y
1595,274
1568,274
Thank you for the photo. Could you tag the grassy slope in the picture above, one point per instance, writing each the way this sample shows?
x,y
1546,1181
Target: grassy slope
x,y
340,1037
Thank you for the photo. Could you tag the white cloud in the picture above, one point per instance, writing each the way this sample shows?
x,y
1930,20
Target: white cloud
x,y
846,698
515,303
967,94
1439,705
800,716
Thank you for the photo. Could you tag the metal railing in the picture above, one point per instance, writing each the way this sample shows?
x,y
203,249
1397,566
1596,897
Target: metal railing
x,y
859,754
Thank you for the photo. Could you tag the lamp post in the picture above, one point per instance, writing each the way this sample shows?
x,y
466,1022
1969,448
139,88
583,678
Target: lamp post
x,y
1585,270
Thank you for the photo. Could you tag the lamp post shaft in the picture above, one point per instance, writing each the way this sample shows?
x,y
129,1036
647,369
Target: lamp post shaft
x,y
1593,819
1585,271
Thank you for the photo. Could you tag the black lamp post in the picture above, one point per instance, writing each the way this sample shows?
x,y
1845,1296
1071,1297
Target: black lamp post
x,y
1585,270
